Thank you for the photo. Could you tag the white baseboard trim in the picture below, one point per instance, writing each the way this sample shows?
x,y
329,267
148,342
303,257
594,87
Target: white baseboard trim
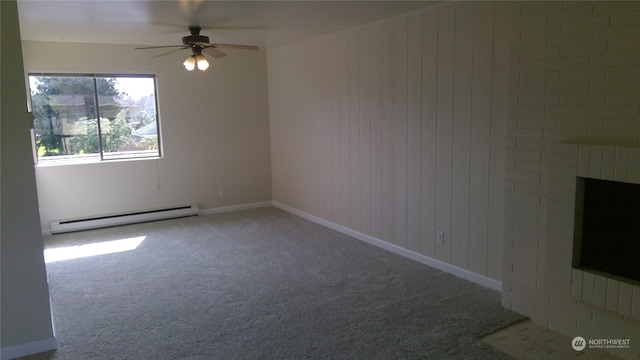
x,y
235,208
30,348
423,259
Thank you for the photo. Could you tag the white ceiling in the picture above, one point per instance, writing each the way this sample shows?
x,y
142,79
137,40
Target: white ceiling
x,y
157,22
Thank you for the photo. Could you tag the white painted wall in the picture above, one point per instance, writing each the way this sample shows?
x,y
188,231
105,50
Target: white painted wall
x,y
397,129
215,133
26,315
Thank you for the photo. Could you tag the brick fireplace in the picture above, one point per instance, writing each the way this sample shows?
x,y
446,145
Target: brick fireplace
x,y
574,112
567,164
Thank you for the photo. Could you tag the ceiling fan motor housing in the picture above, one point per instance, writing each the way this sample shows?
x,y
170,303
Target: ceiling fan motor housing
x,y
191,39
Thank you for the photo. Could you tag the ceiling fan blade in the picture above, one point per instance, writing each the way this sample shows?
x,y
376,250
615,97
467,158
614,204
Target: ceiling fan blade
x,y
234,46
215,53
169,52
157,47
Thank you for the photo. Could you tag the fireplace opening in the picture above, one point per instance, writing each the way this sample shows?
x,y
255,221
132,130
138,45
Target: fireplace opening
x,y
608,227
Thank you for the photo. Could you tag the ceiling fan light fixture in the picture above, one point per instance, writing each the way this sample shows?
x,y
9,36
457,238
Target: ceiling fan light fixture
x,y
202,62
190,63
197,43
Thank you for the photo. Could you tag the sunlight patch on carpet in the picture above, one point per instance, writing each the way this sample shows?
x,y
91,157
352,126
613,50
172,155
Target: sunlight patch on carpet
x,y
101,248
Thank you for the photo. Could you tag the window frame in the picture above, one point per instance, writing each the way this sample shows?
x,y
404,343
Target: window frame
x,y
98,157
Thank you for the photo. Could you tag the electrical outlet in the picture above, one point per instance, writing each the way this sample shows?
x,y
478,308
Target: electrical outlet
x,y
221,192
440,237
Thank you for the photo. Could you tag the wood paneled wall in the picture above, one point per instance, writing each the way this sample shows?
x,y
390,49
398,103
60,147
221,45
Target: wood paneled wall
x,y
397,130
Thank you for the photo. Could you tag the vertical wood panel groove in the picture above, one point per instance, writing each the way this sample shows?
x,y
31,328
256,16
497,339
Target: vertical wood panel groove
x,y
428,143
365,131
480,134
376,132
400,132
444,129
354,132
387,131
345,209
335,134
414,130
463,77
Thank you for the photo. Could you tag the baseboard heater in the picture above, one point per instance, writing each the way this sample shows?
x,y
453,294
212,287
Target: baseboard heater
x,y
62,226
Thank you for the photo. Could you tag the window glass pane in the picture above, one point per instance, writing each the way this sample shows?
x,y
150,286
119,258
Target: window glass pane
x,y
128,121
64,117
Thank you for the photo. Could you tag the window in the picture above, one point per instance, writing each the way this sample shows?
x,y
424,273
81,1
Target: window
x,y
66,109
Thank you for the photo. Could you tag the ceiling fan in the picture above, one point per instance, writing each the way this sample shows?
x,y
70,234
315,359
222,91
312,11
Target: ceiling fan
x,y
198,44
